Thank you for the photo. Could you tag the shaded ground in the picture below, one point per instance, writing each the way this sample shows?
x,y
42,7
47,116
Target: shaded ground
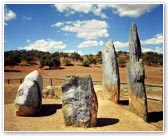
x,y
111,117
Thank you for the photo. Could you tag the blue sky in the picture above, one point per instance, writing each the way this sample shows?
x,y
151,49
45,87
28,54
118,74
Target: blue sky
x,y
83,28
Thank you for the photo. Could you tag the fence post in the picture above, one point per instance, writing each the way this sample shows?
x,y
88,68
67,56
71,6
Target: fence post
x,y
20,80
50,81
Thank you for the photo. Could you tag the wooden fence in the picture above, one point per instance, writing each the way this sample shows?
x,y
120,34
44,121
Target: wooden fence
x,y
61,79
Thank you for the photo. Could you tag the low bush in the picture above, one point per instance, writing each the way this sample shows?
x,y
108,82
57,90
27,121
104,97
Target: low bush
x,y
86,63
67,62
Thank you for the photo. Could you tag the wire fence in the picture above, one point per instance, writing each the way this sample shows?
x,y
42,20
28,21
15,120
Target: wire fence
x,y
58,81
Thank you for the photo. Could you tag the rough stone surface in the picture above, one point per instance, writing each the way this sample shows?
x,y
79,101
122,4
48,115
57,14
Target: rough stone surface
x,y
136,75
79,100
111,80
28,98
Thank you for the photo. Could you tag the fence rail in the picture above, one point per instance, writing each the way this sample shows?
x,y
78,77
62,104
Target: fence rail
x,y
61,79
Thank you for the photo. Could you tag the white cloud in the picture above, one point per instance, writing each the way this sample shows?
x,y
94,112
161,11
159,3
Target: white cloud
x,y
72,8
45,45
101,43
28,41
69,9
157,49
8,14
87,29
119,44
59,24
5,23
131,10
27,18
157,39
147,50
88,43
72,51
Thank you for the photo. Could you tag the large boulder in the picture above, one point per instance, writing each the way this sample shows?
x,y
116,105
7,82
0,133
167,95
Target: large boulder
x,y
29,98
111,80
79,102
136,75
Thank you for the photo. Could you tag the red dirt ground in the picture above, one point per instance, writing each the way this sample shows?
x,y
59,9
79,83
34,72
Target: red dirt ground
x,y
111,117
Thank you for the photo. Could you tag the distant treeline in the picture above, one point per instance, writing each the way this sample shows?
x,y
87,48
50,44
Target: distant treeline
x,y
149,58
34,57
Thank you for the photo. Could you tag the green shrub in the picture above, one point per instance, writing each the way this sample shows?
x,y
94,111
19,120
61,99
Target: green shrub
x,y
86,63
66,62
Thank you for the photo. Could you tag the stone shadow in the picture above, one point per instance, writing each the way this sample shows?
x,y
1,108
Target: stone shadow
x,y
48,109
106,121
124,102
155,116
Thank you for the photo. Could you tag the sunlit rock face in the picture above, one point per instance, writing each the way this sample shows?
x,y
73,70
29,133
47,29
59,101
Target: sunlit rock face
x,y
111,80
28,98
136,76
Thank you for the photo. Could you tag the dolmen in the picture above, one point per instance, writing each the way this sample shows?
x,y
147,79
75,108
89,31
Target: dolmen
x,y
111,79
79,102
29,95
136,76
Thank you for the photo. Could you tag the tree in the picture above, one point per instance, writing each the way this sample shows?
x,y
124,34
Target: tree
x,y
12,58
99,54
152,58
75,56
86,63
63,54
99,57
67,62
91,59
51,60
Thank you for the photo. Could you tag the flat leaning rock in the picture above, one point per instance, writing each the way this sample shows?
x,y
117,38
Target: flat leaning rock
x,y
111,80
136,76
29,97
79,102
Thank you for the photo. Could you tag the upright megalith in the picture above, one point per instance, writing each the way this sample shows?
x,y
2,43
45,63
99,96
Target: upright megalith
x,y
111,80
29,95
136,75
79,102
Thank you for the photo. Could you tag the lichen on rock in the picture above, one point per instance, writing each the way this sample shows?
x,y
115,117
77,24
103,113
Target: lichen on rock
x,y
111,80
29,98
136,76
79,102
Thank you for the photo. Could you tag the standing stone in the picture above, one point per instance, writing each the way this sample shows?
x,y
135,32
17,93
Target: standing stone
x,y
111,80
79,102
136,75
28,98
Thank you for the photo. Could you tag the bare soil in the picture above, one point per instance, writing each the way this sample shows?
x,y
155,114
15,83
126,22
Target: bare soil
x,y
111,117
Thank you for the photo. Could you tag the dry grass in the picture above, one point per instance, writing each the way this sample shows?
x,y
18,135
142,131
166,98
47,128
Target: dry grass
x,y
10,93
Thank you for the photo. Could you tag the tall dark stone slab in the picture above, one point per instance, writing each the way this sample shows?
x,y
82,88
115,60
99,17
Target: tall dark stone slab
x,y
136,75
111,80
79,102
